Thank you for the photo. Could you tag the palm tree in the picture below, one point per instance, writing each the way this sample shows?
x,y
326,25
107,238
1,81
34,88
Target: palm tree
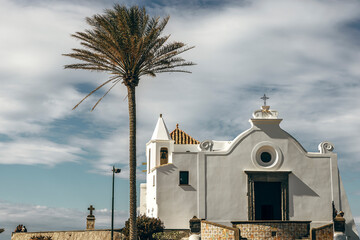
x,y
127,43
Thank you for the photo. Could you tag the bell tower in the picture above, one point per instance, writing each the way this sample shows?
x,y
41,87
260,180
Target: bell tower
x,y
158,152
159,149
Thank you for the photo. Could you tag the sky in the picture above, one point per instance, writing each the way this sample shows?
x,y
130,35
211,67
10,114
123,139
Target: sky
x,y
55,162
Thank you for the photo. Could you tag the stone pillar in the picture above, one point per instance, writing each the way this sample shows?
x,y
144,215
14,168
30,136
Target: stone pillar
x,y
195,228
90,220
339,227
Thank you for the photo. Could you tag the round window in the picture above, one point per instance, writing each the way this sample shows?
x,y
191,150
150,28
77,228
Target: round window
x,y
265,157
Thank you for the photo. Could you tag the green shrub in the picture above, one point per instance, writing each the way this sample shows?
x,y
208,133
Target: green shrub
x,y
146,227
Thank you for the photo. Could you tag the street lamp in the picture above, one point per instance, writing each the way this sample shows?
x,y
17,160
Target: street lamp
x,y
114,170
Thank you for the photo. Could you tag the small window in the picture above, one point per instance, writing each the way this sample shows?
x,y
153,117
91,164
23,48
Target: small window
x,y
184,178
163,156
153,180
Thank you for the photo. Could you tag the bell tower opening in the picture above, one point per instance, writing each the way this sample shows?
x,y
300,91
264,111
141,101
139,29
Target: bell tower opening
x,y
163,156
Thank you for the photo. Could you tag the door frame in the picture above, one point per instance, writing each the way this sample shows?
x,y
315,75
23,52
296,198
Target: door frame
x,y
267,176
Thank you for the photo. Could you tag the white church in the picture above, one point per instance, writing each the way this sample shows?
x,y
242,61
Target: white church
x,y
264,174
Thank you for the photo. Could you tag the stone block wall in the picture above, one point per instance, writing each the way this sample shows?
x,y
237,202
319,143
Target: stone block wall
x,y
70,235
273,230
325,232
211,231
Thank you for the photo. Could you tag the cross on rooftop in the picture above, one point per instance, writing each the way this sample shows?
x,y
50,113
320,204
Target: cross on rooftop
x,y
264,98
91,208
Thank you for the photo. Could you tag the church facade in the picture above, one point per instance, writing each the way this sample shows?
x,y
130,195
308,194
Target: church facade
x,y
264,174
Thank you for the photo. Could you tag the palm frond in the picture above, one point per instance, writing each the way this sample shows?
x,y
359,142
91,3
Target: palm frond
x,y
92,93
114,83
128,44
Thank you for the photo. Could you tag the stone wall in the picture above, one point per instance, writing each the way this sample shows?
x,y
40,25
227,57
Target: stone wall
x,y
211,231
70,235
325,232
273,230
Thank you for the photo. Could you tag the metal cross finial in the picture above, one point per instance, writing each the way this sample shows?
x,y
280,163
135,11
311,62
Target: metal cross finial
x,y
264,98
91,208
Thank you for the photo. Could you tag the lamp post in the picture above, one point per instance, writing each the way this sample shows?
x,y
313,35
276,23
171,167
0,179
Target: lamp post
x,y
114,170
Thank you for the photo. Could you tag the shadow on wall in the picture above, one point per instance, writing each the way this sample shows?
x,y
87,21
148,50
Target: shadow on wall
x,y
167,169
187,188
273,132
298,188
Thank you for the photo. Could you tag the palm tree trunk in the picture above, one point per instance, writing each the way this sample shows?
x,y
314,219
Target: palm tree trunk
x,y
132,160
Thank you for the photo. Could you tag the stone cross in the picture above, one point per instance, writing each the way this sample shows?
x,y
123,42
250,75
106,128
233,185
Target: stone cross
x,y
91,208
264,98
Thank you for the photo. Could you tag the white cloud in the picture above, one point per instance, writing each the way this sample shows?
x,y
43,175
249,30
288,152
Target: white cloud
x,y
37,151
34,92
111,150
36,35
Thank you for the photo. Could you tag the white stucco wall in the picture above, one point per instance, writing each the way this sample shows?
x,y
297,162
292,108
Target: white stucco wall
x,y
151,204
177,204
218,184
309,181
142,198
